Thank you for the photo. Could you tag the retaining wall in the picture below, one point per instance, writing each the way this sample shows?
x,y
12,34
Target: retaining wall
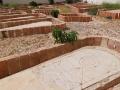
x,y
113,15
33,30
75,18
46,11
11,23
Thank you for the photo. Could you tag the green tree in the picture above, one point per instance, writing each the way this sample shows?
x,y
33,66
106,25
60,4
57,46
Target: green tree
x,y
51,1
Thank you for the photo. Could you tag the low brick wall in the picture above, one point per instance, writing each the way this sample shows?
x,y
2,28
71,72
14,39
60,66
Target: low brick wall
x,y
33,30
12,16
44,10
21,22
15,63
30,16
75,18
112,14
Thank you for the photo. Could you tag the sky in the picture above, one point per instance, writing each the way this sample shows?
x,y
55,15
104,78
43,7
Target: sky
x,y
101,1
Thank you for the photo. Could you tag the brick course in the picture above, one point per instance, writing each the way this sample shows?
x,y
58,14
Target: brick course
x,y
113,14
75,17
33,30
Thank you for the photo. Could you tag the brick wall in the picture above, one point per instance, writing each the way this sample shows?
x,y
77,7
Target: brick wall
x,y
113,14
75,18
33,30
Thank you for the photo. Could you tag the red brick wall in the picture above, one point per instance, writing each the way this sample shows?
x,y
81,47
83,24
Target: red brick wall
x,y
75,18
109,14
33,30
45,11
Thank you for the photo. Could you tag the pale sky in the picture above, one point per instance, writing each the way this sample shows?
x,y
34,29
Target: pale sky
x,y
101,1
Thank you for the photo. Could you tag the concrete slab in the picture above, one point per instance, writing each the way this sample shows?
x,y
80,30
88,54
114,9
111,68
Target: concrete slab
x,y
73,71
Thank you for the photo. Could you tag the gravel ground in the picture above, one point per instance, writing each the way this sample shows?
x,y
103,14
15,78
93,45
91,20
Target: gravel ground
x,y
99,26
24,44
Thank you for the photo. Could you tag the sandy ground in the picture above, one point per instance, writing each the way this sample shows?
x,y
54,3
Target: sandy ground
x,y
11,46
99,26
72,71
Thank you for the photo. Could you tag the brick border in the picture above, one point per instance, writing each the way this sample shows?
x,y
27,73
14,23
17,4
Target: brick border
x,y
75,17
40,15
34,30
15,20
113,15
46,11
8,24
15,63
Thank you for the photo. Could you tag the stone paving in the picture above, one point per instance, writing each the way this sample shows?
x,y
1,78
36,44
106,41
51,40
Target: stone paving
x,y
73,71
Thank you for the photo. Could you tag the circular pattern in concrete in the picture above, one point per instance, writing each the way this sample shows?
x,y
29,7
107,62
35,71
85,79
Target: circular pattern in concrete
x,y
73,71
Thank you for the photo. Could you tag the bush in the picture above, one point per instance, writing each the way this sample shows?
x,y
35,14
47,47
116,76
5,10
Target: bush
x,y
61,36
111,6
69,1
51,1
72,1
33,4
71,36
75,1
55,13
93,10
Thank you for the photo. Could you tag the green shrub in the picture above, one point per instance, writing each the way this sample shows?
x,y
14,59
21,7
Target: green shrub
x,y
93,11
111,6
33,4
71,36
72,1
69,1
61,36
51,1
55,13
75,1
